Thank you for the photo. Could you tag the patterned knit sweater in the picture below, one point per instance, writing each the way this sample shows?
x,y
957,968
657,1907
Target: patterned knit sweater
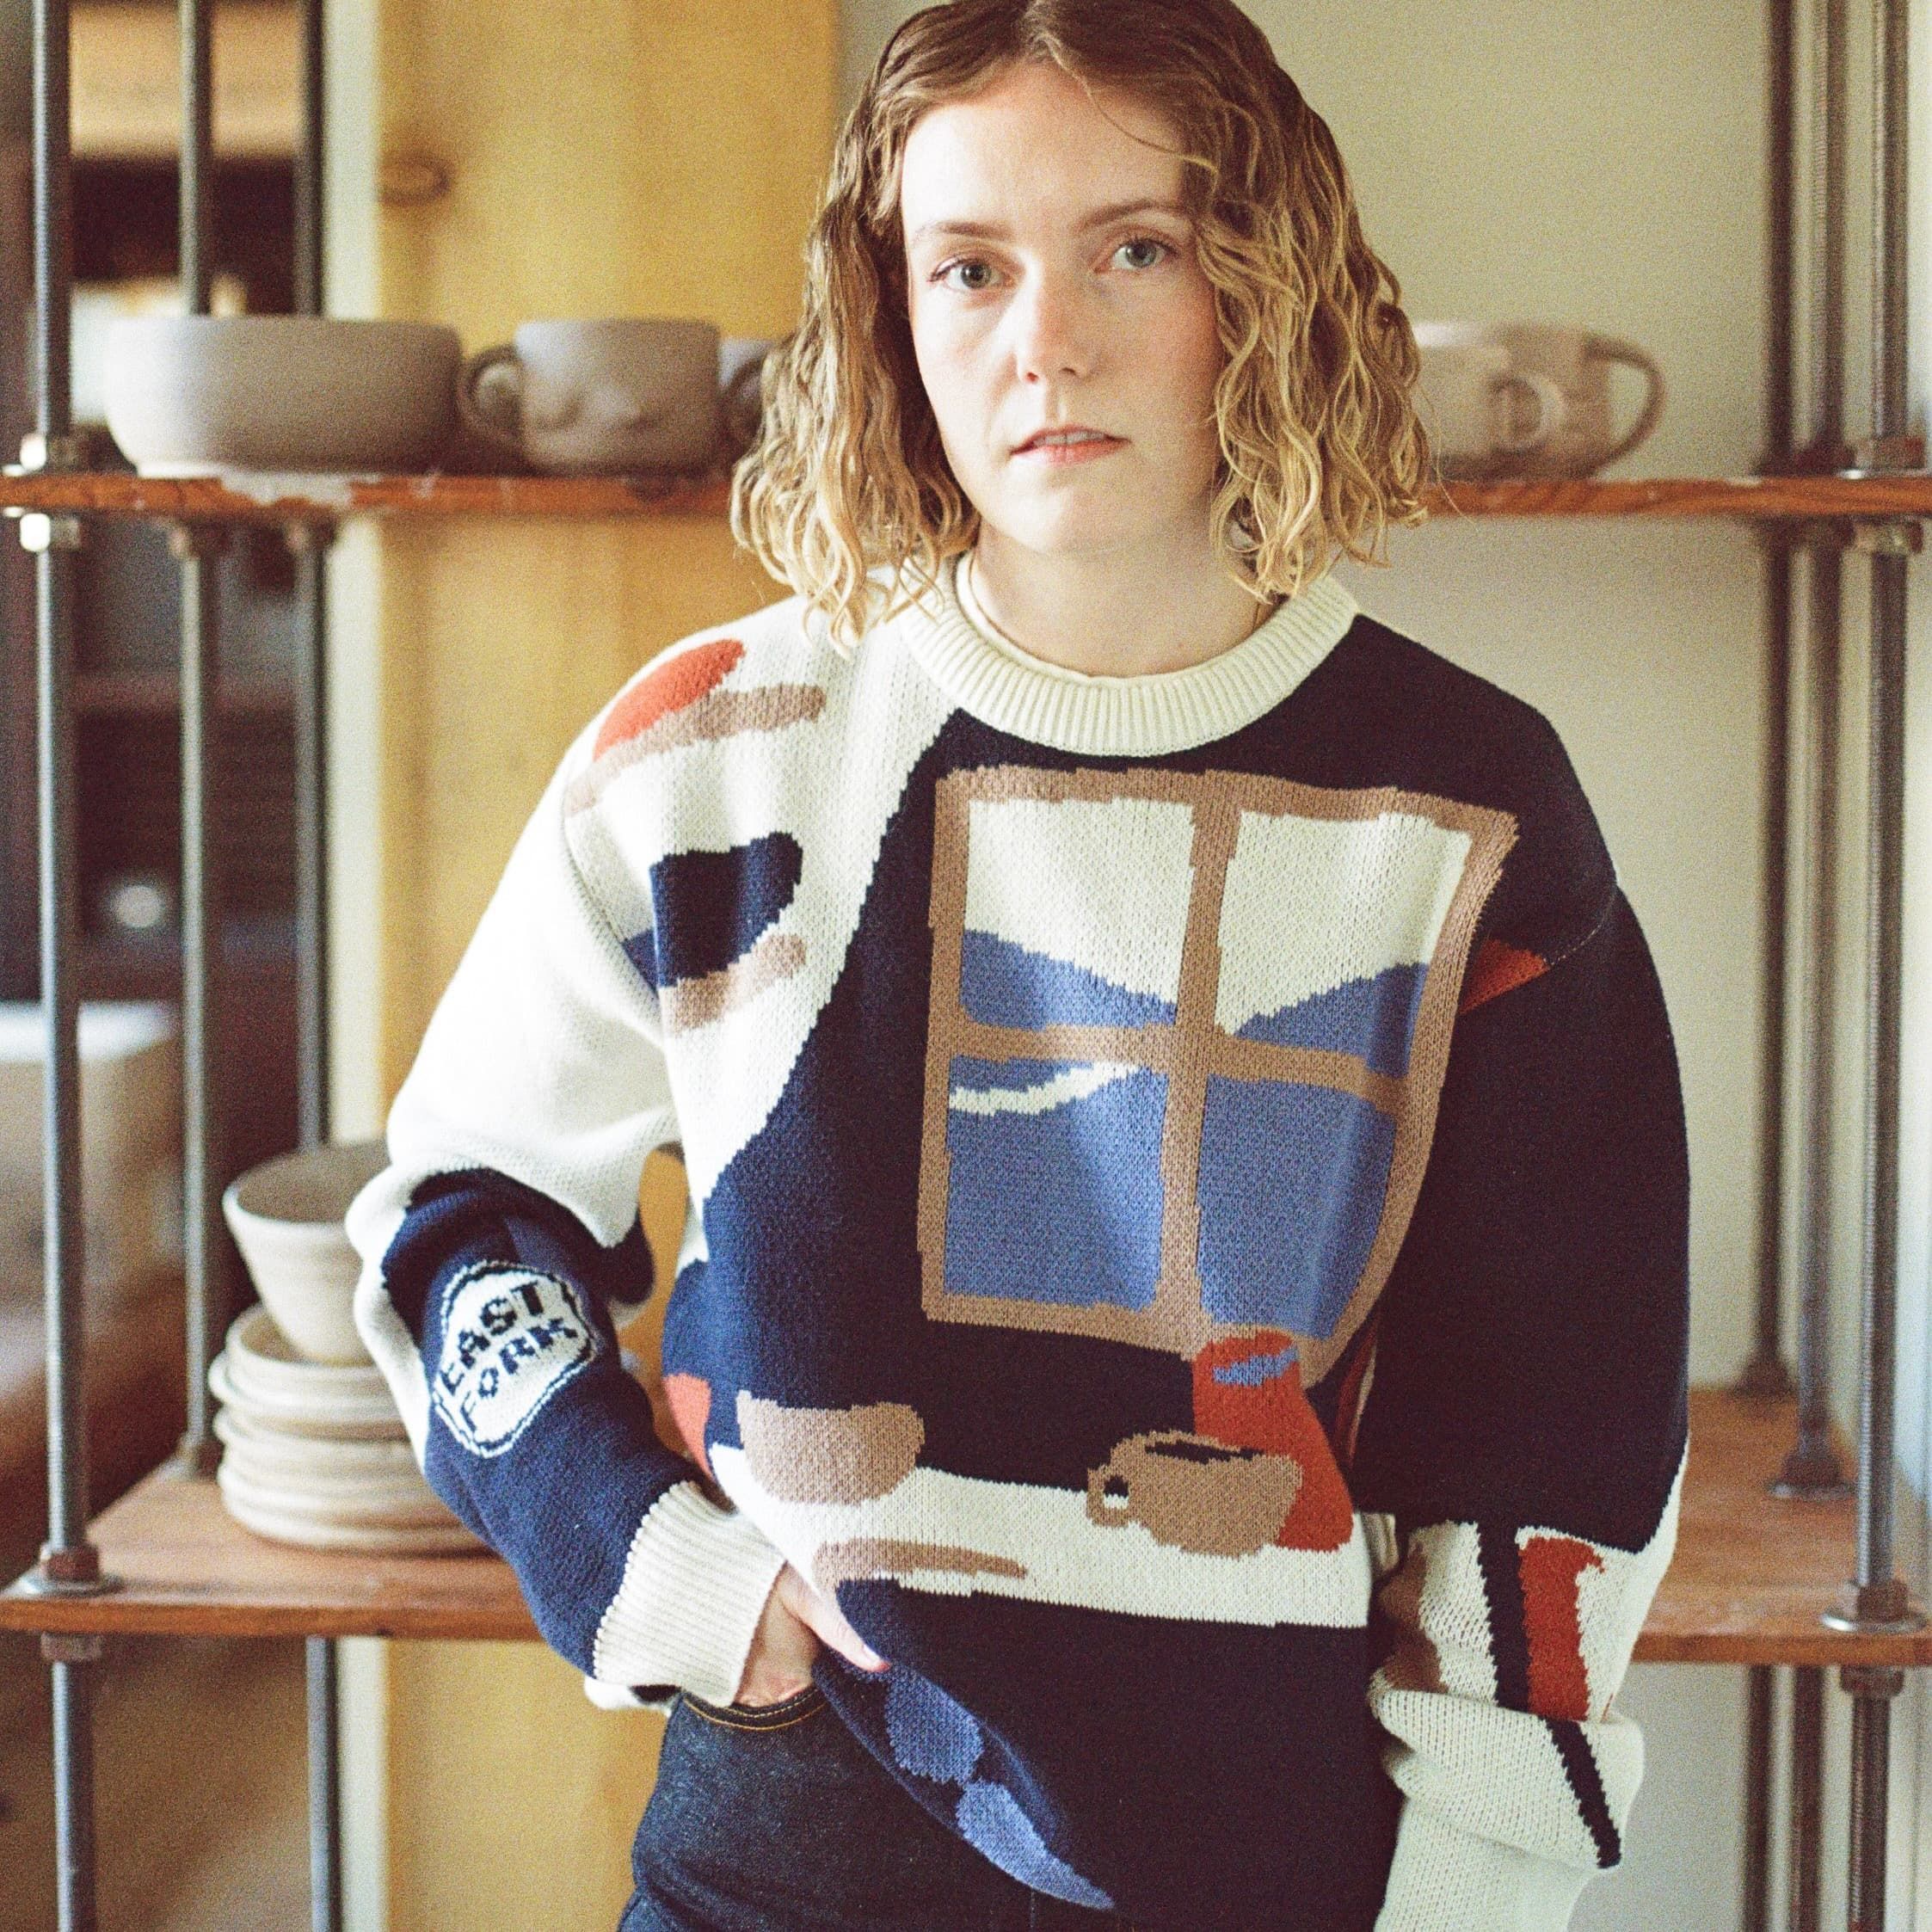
x,y
1187,1244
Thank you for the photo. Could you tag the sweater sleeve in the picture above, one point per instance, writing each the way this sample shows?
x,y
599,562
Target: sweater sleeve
x,y
494,1248
1525,1427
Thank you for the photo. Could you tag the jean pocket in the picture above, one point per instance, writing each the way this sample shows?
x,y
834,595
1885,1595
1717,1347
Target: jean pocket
x,y
794,1709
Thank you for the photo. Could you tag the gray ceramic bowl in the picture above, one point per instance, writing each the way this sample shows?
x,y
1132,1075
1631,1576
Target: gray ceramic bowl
x,y
196,396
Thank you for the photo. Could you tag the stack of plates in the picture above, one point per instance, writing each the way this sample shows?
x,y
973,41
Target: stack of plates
x,y
315,1452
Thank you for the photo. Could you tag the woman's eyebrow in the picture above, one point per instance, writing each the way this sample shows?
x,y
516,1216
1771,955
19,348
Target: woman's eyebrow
x,y
992,231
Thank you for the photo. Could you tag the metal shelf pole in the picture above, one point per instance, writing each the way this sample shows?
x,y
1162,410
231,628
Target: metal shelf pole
x,y
70,1564
1812,1469
1876,1598
1766,1373
198,547
309,543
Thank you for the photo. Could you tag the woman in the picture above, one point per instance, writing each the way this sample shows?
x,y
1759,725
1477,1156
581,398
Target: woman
x,y
1179,1342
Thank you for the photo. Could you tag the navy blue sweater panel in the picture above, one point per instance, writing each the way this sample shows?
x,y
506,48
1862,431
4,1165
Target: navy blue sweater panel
x,y
1534,1334
561,1502
1062,1701
1211,1777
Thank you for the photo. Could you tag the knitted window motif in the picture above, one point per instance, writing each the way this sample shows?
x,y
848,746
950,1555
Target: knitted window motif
x,y
1187,1033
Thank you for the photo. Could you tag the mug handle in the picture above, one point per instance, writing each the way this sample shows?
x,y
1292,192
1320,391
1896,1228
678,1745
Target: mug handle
x,y
1111,1516
469,407
1614,348
1551,410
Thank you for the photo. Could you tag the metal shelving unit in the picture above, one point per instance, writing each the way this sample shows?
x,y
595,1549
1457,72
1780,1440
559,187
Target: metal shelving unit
x,y
1782,1561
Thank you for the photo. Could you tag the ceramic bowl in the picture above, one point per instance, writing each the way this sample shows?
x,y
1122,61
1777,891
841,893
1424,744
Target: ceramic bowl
x,y
199,395
286,1218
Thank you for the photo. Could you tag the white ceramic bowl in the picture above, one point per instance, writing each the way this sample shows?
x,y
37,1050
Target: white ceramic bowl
x,y
197,396
286,1218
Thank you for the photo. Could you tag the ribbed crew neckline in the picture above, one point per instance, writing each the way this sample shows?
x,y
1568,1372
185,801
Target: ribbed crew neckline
x,y
1144,715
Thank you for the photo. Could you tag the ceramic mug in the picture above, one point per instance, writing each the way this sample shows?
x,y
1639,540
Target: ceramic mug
x,y
1193,1492
613,397
1528,399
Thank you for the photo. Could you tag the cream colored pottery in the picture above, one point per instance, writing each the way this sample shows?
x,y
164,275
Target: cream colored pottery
x,y
741,374
262,1362
360,1419
333,1504
260,1374
286,1218
619,397
199,395
282,1451
284,1526
1526,399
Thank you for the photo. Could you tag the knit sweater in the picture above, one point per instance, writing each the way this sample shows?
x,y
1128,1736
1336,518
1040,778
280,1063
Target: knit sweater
x,y
1187,1246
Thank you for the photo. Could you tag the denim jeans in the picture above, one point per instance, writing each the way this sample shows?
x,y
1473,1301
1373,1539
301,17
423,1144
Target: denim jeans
x,y
778,1819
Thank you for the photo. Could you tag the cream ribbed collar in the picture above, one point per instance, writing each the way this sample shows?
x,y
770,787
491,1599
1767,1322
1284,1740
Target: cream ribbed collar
x,y
1146,715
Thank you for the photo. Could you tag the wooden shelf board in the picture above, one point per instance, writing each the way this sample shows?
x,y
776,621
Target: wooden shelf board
x,y
291,498
189,1569
299,498
1751,1572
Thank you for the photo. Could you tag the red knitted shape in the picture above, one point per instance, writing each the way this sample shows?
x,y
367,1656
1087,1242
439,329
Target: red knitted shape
x,y
684,680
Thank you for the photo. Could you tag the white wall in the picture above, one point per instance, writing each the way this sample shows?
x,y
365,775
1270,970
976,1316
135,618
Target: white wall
x,y
1605,165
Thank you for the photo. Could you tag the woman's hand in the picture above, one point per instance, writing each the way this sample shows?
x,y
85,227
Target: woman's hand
x,y
796,1619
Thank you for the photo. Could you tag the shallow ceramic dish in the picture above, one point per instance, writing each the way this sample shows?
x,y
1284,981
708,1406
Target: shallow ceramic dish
x,y
287,1219
262,1356
282,1452
361,1417
282,1527
325,1505
200,396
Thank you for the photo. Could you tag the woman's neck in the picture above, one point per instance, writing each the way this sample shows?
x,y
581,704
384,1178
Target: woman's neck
x,y
1096,614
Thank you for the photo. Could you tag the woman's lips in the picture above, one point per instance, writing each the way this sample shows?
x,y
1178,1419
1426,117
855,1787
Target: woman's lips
x,y
1085,450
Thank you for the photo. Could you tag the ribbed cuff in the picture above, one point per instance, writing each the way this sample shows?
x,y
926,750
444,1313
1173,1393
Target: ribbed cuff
x,y
695,1584
1446,1880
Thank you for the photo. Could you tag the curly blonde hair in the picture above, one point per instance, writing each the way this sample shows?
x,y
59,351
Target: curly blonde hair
x,y
1321,448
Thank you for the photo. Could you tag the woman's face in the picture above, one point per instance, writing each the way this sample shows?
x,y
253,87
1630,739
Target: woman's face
x,y
1053,285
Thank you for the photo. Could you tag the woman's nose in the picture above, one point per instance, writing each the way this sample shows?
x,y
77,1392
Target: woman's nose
x,y
1053,333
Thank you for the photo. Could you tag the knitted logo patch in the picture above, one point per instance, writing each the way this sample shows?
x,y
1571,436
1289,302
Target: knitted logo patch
x,y
511,1340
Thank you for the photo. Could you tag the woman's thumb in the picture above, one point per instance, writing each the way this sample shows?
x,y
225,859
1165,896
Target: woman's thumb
x,y
828,1621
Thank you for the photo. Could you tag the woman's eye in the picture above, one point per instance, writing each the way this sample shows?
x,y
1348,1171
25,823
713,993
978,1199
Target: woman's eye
x,y
967,267
1146,245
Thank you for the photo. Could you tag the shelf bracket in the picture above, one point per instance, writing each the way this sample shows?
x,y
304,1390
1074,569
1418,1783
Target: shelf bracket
x,y
1870,1680
70,1570
1874,1609
72,1646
